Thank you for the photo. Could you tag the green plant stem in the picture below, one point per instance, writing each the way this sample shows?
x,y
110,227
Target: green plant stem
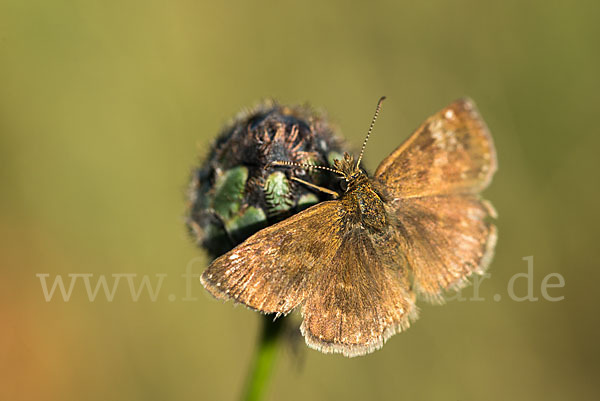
x,y
260,370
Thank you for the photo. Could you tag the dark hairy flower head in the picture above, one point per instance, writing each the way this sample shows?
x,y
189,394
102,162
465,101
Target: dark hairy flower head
x,y
232,194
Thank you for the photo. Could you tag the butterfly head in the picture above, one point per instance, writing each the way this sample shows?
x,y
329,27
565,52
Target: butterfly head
x,y
347,167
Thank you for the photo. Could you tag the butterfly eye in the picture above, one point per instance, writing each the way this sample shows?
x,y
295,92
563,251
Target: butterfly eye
x,y
343,185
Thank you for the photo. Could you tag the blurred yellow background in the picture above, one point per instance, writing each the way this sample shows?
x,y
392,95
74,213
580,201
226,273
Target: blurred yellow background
x,y
106,106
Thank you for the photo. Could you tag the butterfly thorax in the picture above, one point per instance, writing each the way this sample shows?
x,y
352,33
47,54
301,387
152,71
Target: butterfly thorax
x,y
361,200
364,202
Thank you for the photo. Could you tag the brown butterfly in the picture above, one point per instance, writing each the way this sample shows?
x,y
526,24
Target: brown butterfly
x,y
353,265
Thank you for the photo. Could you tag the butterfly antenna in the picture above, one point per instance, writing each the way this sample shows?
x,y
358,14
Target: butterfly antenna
x,y
381,99
304,166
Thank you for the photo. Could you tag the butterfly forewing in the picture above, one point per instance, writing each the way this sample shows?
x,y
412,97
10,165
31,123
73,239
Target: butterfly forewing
x,y
273,269
451,152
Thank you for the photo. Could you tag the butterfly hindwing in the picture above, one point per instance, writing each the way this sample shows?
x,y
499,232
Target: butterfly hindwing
x,y
360,299
445,239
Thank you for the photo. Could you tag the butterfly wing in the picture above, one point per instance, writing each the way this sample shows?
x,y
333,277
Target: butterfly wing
x,y
361,299
353,285
451,152
272,270
445,238
432,182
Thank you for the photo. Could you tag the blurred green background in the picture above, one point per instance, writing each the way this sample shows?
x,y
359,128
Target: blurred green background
x,y
106,106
